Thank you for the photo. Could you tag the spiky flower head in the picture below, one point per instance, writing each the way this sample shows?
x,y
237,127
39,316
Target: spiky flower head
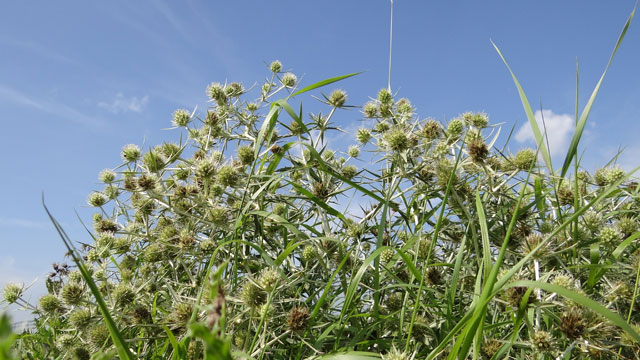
x,y
542,341
276,66
245,155
609,236
404,108
107,176
431,130
12,292
600,177
337,98
349,171
181,117
97,199
309,253
80,319
72,293
181,314
80,353
477,120
289,80
385,96
130,153
111,192
524,159
363,135
491,347
592,221
123,295
370,109
614,174
99,335
565,195
395,354
627,226
154,161
297,318
396,140
252,295
572,324
269,279
455,127
387,255
228,176
478,150
394,301
50,303
65,341
234,89
216,92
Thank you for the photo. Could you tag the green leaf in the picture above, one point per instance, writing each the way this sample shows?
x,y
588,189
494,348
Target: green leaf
x,y
323,83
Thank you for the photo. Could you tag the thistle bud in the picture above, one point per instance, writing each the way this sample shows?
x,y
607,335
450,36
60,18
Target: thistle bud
x,y
337,98
181,117
289,80
276,66
130,153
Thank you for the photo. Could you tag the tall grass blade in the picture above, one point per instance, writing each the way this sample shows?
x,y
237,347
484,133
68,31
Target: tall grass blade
x,y
575,140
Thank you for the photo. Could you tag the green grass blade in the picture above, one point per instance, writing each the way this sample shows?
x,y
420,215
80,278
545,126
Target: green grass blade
x,y
573,147
582,300
324,83
116,335
530,116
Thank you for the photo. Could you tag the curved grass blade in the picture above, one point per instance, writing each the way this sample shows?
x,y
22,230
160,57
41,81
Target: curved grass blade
x,y
530,116
116,335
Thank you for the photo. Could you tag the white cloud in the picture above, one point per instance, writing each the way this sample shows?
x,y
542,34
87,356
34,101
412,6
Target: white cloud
x,y
558,130
123,104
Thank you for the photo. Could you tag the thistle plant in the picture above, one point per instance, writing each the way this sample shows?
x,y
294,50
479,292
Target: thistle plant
x,y
237,243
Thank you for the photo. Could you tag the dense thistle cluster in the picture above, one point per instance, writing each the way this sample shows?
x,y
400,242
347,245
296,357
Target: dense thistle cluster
x,y
264,207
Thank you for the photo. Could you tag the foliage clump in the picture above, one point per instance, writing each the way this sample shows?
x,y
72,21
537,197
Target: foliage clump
x,y
243,240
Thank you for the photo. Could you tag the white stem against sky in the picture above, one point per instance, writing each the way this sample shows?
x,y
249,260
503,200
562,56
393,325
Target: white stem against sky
x,y
390,43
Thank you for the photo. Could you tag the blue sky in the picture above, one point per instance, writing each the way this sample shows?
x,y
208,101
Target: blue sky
x,y
80,79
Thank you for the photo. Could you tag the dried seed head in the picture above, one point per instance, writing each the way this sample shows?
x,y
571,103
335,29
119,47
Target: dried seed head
x,y
297,318
478,150
491,347
572,324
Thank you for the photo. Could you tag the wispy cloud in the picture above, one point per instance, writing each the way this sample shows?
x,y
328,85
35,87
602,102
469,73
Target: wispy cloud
x,y
22,223
54,108
558,128
38,49
125,104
